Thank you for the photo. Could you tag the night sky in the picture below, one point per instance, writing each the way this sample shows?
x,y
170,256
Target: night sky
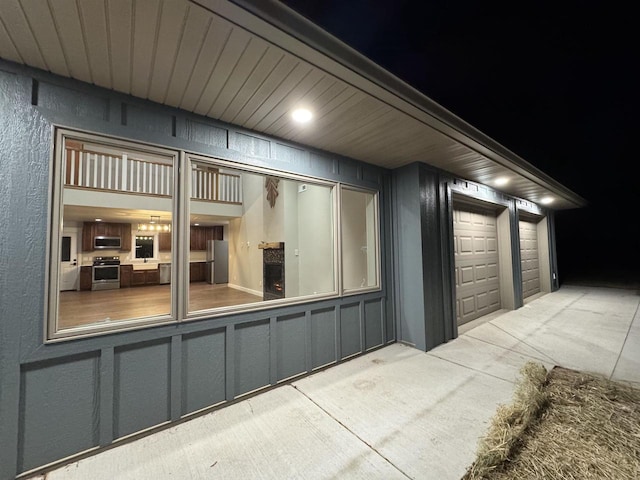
x,y
552,82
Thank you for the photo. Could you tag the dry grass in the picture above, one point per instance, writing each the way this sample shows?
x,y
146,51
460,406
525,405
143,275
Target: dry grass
x,y
563,425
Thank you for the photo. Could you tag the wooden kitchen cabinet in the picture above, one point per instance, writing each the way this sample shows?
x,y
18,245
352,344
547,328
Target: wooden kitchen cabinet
x,y
152,277
197,272
87,236
85,278
106,229
125,237
125,275
138,278
164,242
145,277
201,235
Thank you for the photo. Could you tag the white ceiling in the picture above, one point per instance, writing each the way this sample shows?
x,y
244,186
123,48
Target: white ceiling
x,y
221,60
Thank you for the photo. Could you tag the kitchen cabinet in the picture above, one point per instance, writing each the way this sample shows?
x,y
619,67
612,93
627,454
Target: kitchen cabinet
x,y
125,275
106,229
164,242
200,235
145,277
125,237
85,278
197,272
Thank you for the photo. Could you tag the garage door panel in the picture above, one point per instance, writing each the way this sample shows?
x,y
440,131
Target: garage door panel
x,y
476,260
529,258
468,305
492,268
466,275
466,245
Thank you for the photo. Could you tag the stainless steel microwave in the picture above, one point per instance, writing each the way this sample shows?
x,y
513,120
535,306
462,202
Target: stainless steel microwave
x,y
112,243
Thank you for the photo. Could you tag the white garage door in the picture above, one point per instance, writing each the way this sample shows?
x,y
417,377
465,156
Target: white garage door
x,y
476,263
529,258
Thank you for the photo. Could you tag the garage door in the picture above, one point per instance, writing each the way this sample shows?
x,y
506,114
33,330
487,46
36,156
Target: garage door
x,y
476,263
529,258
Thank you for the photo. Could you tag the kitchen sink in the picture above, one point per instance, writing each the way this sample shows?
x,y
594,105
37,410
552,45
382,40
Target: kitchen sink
x,y
145,266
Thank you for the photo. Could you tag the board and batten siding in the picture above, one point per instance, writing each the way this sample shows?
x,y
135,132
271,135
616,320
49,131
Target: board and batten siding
x,y
58,400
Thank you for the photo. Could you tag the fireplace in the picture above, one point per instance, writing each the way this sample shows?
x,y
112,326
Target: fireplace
x,y
273,271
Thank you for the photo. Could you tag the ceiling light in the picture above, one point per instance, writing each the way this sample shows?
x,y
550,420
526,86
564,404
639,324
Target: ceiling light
x,y
546,200
98,219
196,224
301,115
500,181
154,225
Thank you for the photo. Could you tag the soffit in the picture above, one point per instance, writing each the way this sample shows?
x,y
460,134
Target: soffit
x,y
220,60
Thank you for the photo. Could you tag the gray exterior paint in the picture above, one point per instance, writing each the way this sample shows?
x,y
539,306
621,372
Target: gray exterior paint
x,y
425,309
63,399
60,399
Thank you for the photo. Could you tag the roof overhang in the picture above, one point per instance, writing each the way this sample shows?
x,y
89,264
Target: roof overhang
x,y
251,63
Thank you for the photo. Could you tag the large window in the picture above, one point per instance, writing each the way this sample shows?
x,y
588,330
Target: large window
x,y
359,240
258,237
123,254
107,194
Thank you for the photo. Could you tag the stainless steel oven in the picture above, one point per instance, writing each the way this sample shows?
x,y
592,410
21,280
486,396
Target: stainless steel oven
x,y
105,273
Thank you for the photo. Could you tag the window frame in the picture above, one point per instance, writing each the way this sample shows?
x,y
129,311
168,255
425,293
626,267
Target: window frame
x,y
52,332
180,236
263,305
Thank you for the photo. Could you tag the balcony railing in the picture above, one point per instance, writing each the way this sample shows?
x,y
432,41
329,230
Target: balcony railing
x,y
100,171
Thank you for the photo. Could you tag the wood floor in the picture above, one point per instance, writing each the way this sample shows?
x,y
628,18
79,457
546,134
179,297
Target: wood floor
x,y
83,308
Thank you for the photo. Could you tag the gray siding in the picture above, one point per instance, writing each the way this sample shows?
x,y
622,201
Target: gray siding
x,y
64,398
425,310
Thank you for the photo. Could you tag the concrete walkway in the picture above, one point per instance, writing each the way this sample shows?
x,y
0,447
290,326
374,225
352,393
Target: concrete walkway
x,y
395,412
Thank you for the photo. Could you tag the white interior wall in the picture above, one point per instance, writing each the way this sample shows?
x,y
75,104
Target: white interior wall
x,y
315,226
354,238
291,266
246,232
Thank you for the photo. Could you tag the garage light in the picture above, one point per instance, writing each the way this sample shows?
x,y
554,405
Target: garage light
x,y
301,115
546,200
500,181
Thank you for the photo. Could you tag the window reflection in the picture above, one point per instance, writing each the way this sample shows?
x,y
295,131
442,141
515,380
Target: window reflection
x,y
108,193
359,239
257,238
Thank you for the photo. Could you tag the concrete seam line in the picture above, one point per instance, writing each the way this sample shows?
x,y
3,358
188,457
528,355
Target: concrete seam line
x,y
350,431
625,340
527,344
515,351
470,368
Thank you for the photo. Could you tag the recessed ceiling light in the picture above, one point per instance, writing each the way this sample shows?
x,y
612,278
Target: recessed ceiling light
x,y
546,200
301,115
98,219
500,181
196,224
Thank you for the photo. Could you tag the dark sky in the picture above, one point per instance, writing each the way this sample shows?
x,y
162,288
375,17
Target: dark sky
x,y
553,82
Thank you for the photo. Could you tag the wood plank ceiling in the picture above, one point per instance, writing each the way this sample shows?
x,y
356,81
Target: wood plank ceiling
x,y
224,63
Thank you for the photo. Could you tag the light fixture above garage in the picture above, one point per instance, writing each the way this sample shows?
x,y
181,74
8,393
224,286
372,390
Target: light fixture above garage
x,y
501,181
546,200
301,115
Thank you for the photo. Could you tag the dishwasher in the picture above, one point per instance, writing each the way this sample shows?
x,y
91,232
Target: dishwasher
x,y
165,273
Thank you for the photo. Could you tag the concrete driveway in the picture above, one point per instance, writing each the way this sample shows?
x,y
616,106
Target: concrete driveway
x,y
395,412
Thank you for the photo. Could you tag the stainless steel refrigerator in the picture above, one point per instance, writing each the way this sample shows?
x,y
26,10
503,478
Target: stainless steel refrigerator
x,y
217,261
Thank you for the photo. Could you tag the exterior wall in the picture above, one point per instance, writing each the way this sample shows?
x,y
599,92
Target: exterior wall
x,y
423,241
424,284
59,399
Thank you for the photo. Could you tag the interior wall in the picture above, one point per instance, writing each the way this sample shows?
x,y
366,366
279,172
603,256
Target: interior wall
x,y
291,241
354,238
315,224
245,233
